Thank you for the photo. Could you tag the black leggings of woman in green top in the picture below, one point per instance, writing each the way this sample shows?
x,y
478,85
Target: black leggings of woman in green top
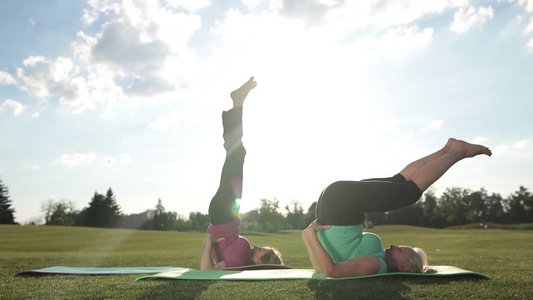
x,y
345,202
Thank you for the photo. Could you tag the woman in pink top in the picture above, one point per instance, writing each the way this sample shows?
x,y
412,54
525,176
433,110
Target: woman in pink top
x,y
224,247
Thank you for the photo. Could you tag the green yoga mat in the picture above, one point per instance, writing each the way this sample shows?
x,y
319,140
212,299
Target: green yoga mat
x,y
279,274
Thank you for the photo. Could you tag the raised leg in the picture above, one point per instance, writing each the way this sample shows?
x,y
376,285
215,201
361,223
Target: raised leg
x,y
424,172
224,207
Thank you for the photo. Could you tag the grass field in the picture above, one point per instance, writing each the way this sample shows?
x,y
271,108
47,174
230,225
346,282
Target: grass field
x,y
505,255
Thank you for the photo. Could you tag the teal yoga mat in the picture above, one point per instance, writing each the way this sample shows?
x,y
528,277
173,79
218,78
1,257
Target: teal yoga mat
x,y
60,270
279,274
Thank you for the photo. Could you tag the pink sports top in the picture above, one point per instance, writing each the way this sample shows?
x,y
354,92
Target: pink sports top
x,y
235,248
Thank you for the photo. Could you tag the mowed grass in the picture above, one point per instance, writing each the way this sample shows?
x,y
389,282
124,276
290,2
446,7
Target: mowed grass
x,y
505,255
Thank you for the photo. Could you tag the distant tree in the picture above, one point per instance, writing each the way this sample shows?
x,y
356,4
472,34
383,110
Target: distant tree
x,y
295,218
135,221
163,220
409,215
520,206
453,205
249,220
60,212
198,221
477,202
182,224
6,212
494,206
270,219
103,211
430,208
159,217
376,218
310,214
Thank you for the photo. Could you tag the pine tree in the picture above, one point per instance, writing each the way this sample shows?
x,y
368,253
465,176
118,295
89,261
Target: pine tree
x,y
6,212
103,211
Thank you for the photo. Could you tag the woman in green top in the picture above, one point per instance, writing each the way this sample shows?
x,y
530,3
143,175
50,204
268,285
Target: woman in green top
x,y
335,241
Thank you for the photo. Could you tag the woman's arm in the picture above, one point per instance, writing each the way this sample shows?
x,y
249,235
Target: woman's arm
x,y
323,263
317,254
206,259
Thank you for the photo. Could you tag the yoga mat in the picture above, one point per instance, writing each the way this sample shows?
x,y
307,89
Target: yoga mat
x,y
277,274
60,270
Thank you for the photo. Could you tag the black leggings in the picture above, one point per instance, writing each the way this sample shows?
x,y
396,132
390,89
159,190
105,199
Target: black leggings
x,y
223,207
345,202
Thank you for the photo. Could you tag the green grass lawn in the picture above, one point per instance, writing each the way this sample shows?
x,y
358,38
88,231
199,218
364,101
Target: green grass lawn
x,y
505,255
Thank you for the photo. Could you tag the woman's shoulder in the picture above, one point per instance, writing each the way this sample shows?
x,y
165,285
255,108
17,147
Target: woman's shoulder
x,y
370,236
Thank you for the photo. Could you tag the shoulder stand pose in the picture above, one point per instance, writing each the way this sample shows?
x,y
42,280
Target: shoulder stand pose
x,y
224,247
335,241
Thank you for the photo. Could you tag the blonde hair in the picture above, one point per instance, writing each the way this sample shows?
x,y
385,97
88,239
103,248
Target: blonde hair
x,y
419,261
273,256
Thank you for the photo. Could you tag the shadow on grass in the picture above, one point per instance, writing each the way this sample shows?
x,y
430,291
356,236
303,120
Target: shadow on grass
x,y
173,289
376,288
359,289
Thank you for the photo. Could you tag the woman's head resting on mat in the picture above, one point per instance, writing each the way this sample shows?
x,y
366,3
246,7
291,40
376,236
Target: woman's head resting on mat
x,y
406,259
265,255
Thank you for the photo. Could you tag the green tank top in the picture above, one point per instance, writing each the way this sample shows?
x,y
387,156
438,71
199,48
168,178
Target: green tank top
x,y
347,242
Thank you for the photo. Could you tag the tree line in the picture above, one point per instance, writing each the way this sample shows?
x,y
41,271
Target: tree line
x,y
456,206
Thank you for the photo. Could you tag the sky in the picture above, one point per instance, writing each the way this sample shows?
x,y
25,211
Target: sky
x,y
128,95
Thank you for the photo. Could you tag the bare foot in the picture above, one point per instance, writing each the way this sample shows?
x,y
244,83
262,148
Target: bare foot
x,y
240,94
471,150
449,144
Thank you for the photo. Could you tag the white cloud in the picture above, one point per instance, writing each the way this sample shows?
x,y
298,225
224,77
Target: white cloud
x,y
528,4
521,144
529,27
108,161
72,160
520,149
479,140
500,150
125,158
6,78
33,60
98,7
385,13
432,125
523,149
435,124
143,42
399,42
193,5
44,78
32,21
166,122
391,12
176,118
464,20
530,44
141,51
251,4
347,15
15,106
60,79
